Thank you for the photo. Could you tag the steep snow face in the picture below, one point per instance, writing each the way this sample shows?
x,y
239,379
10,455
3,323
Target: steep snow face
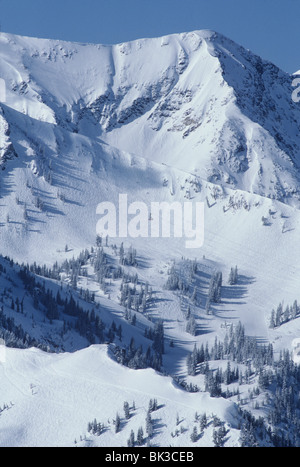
x,y
195,101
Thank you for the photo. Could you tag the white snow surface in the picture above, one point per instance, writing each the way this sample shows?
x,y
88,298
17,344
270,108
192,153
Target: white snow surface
x,y
53,397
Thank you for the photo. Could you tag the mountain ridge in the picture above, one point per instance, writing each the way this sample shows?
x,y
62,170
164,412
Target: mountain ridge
x,y
192,105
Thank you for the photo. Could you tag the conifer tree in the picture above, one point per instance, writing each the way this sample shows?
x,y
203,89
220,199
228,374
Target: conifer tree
x,y
126,410
117,423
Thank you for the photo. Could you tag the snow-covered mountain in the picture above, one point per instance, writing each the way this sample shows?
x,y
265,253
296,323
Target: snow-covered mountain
x,y
194,101
187,117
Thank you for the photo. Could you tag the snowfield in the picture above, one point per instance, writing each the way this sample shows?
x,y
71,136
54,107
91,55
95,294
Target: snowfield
x,y
53,397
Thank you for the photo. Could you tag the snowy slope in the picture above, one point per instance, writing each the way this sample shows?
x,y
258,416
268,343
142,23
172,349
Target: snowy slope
x,y
53,398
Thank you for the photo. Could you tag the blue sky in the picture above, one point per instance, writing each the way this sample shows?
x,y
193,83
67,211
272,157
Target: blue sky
x,y
269,28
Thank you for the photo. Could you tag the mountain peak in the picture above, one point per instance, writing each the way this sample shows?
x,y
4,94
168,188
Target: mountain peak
x,y
196,101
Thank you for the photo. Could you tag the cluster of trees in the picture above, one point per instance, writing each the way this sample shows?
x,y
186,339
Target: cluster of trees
x,y
236,347
129,258
95,428
191,325
214,292
15,336
157,335
102,268
62,304
133,299
284,415
284,314
130,317
55,307
254,432
219,432
6,407
175,282
237,202
135,357
75,267
185,282
71,267
278,379
219,435
140,439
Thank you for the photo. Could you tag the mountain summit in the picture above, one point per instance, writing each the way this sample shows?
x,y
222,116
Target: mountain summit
x,y
195,101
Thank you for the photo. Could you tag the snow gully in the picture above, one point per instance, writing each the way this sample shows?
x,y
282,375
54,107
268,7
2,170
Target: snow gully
x,y
156,220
